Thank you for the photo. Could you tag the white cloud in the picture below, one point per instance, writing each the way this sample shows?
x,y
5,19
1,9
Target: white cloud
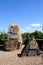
x,y
35,25
32,27
28,28
23,30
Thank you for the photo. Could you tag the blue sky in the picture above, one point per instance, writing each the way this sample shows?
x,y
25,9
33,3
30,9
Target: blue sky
x,y
26,13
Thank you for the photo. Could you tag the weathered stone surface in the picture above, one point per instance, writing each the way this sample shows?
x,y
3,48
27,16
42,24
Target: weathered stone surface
x,y
33,44
31,49
14,39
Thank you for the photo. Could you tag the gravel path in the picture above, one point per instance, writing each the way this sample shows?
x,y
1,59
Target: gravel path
x,y
11,58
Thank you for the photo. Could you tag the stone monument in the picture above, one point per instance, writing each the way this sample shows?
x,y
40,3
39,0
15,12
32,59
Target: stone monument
x,y
14,39
30,49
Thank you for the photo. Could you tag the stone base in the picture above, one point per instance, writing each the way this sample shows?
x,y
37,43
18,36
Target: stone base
x,y
34,52
11,45
31,52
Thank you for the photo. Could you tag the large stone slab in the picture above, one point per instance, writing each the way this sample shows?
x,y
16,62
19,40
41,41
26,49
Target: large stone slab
x,y
30,49
14,39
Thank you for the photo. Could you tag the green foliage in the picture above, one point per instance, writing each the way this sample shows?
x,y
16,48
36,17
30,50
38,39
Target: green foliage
x,y
37,35
3,36
25,36
42,35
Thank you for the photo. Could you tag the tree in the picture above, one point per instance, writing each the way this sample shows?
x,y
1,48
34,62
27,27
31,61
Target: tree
x,y
3,36
25,36
37,34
